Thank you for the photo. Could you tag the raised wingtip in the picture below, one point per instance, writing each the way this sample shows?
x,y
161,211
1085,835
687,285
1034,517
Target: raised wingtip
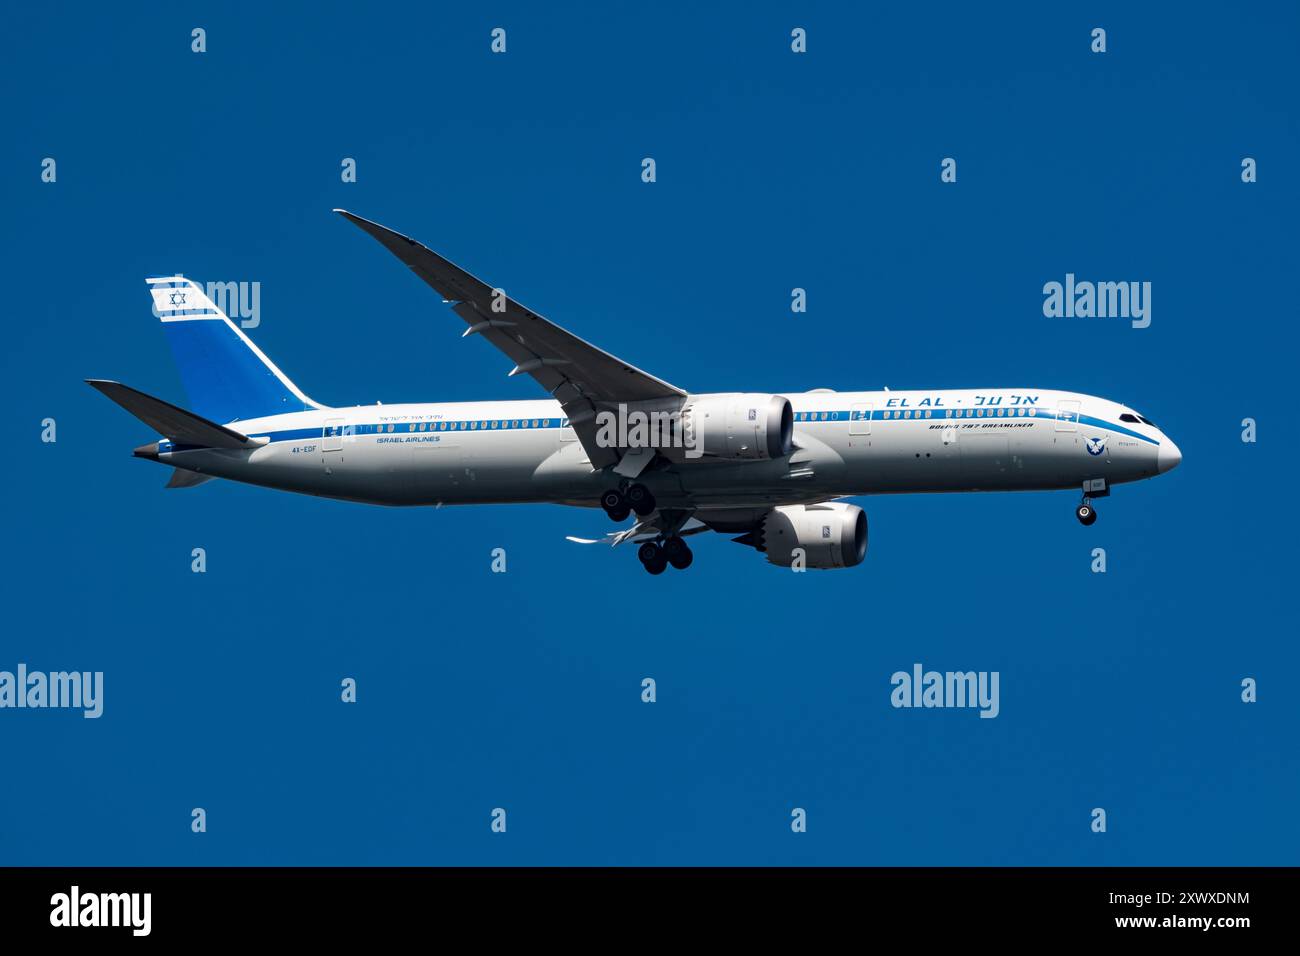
x,y
361,221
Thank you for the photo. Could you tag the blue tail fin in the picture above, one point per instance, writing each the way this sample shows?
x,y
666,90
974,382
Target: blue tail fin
x,y
226,376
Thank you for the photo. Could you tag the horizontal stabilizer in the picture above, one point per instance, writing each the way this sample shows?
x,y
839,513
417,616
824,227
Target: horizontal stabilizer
x,y
187,479
182,427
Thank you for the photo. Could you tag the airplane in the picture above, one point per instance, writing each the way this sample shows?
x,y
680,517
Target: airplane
x,y
770,469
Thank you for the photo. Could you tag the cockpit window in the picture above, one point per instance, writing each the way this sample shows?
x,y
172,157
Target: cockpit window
x,y
1130,417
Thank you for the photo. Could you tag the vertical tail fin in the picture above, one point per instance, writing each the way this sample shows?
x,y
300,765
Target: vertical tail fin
x,y
226,376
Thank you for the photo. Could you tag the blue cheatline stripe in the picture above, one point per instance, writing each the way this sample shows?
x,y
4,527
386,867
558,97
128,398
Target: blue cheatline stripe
x,y
519,424
937,415
395,429
421,428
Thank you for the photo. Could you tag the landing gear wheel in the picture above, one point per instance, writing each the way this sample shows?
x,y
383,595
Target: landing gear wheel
x,y
678,553
652,557
640,499
1086,514
615,505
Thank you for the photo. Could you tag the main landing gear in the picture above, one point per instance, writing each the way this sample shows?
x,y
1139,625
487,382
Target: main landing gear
x,y
656,556
664,550
620,502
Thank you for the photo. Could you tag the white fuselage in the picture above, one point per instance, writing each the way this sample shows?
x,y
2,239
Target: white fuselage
x,y
846,443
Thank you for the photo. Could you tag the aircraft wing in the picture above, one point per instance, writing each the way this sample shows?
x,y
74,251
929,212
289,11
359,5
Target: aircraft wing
x,y
580,376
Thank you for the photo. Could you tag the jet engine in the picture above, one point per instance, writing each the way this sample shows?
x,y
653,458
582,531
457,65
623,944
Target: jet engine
x,y
740,427
831,535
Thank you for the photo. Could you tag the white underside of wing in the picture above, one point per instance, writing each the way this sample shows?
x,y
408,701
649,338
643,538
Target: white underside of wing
x,y
643,530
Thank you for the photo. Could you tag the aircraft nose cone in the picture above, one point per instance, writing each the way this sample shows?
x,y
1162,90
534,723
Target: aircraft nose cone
x,y
1168,457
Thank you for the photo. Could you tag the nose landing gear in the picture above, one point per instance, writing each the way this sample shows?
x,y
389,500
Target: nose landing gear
x,y
1092,488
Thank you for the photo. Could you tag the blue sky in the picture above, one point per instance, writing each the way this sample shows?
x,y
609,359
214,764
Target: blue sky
x,y
522,690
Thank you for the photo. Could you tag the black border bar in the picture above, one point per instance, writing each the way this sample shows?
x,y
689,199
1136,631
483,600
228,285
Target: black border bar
x,y
207,904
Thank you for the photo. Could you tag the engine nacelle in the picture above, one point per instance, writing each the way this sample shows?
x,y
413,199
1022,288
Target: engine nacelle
x,y
832,535
740,427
